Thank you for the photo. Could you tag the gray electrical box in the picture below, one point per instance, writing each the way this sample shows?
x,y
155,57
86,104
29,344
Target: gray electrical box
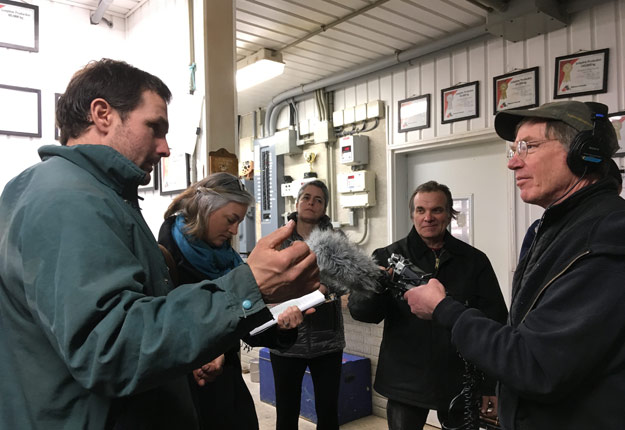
x,y
247,228
285,142
354,150
268,172
525,19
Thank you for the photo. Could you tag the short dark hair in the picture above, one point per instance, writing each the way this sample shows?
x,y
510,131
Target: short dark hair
x,y
432,187
319,184
117,82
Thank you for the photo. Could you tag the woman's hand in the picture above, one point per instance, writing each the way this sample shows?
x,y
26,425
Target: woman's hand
x,y
210,371
290,318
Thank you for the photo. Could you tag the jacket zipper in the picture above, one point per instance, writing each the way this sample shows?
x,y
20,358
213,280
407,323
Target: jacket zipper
x,y
551,281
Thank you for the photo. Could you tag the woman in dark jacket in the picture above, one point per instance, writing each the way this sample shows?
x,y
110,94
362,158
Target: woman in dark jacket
x,y
320,340
199,225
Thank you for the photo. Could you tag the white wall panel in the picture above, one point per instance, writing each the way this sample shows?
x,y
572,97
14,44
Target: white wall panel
x,y
444,73
413,88
398,90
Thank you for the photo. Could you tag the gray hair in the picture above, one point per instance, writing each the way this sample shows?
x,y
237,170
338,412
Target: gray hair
x,y
319,184
202,198
554,129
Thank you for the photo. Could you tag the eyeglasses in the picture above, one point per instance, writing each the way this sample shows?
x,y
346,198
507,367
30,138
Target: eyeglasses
x,y
522,148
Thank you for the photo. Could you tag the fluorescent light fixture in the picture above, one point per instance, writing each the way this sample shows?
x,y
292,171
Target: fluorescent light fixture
x,y
258,67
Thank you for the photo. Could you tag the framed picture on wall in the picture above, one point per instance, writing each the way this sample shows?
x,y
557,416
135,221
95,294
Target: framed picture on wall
x,y
460,102
618,121
20,111
153,185
57,132
174,172
414,113
581,74
516,90
19,26
462,226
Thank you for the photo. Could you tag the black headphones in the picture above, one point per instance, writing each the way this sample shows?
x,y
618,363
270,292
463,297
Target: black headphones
x,y
590,148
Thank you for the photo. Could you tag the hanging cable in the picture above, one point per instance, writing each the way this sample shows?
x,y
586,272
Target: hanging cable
x,y
467,403
365,222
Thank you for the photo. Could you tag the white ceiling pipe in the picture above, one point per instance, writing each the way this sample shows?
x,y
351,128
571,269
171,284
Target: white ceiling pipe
x,y
271,115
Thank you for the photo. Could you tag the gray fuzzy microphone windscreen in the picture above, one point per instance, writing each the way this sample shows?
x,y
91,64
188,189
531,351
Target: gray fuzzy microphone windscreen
x,y
343,266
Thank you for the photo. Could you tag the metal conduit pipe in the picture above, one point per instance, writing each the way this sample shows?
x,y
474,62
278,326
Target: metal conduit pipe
x,y
97,15
393,60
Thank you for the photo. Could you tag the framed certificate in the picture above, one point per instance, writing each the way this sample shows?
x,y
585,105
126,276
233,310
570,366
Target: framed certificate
x,y
19,26
581,74
20,111
618,121
460,102
174,172
414,113
516,90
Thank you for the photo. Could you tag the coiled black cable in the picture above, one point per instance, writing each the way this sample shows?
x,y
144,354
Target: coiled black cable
x,y
468,399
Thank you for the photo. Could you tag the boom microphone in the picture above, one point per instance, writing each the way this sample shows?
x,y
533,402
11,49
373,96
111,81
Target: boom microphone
x,y
343,266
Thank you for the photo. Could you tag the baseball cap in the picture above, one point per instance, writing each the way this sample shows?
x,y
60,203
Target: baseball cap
x,y
576,114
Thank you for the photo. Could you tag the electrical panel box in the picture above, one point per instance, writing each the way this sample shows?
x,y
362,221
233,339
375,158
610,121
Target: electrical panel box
x,y
355,150
355,182
375,109
247,228
268,167
337,118
292,188
357,200
324,132
360,113
349,115
356,189
285,142
304,127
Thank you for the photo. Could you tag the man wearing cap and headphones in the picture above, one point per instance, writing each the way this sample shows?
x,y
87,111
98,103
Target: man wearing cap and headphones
x,y
560,359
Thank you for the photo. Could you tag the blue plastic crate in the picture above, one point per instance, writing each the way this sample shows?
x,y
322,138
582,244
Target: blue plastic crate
x,y
354,389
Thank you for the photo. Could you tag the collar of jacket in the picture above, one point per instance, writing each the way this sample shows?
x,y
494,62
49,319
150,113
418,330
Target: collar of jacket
x,y
583,196
451,245
104,163
324,224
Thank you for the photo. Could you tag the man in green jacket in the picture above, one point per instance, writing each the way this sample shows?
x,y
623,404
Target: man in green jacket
x,y
92,335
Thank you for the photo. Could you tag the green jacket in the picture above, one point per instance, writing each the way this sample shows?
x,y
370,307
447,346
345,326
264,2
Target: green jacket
x,y
92,335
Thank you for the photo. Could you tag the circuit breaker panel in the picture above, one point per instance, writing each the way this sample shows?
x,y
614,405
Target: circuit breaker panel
x,y
247,228
270,170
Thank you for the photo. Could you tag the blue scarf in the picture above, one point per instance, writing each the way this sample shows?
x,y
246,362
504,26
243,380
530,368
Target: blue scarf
x,y
211,261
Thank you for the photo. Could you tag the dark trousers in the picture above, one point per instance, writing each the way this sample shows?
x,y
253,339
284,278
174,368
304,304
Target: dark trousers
x,y
401,416
326,376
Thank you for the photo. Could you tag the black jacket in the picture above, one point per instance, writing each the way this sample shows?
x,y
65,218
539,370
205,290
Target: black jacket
x,y
417,364
322,331
226,402
561,359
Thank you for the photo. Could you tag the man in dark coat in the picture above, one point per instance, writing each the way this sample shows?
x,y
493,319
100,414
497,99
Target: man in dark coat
x,y
560,360
419,369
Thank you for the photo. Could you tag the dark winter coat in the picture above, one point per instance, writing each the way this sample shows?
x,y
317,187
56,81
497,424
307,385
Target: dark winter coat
x,y
418,365
226,402
561,359
321,332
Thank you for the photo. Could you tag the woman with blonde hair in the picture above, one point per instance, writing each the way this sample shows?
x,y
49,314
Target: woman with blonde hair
x,y
198,229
